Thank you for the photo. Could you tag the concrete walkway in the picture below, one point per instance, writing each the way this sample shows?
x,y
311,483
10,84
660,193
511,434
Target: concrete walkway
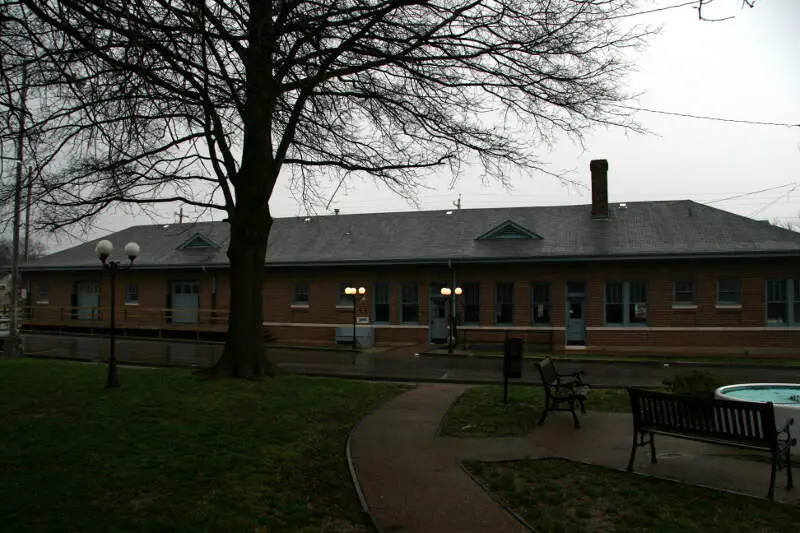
x,y
412,481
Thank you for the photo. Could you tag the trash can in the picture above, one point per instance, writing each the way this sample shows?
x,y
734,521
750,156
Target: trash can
x,y
512,358
12,347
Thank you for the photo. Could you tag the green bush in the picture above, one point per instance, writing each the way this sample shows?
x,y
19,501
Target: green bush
x,y
694,383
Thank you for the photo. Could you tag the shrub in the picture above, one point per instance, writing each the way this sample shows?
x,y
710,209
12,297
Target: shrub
x,y
694,383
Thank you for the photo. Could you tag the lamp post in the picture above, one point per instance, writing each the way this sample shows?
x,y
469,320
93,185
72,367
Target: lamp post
x,y
354,293
103,251
451,295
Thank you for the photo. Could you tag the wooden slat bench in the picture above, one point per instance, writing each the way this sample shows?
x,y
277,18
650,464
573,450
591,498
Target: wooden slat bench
x,y
749,425
561,389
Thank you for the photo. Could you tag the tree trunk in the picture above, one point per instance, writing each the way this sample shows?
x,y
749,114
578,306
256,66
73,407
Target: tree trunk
x,y
244,355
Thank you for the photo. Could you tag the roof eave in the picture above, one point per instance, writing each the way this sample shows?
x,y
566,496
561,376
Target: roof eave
x,y
454,260
87,268
544,259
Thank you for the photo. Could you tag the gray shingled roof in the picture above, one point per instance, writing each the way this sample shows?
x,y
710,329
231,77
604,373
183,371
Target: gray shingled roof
x,y
642,229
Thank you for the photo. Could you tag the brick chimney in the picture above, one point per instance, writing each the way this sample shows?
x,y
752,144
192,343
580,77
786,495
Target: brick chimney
x,y
599,170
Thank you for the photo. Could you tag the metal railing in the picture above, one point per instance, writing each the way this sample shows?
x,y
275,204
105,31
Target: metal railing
x,y
126,317
481,338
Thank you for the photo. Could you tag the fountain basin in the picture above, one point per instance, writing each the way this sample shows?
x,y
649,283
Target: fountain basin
x,y
785,398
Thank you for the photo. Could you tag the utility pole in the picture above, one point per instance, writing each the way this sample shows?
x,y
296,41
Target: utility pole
x,y
28,215
180,215
11,346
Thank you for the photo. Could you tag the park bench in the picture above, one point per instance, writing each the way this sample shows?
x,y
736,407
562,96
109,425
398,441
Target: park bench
x,y
749,425
562,389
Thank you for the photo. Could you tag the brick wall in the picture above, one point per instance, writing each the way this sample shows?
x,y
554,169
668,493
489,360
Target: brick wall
x,y
668,329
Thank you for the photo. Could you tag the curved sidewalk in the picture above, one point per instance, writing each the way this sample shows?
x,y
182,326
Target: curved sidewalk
x,y
412,481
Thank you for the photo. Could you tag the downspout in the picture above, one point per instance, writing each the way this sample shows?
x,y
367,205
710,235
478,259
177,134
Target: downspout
x,y
450,266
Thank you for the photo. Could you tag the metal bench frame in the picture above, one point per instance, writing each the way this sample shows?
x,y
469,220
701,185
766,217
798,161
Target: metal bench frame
x,y
559,390
749,425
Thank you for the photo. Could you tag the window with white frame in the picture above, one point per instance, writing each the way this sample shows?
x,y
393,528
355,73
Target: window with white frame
x,y
626,303
381,299
504,303
796,298
684,293
409,303
637,302
540,303
728,292
783,302
614,303
132,294
44,293
472,302
300,295
343,299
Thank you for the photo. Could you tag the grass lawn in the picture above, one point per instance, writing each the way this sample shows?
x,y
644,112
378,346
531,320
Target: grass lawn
x,y
480,412
171,451
555,495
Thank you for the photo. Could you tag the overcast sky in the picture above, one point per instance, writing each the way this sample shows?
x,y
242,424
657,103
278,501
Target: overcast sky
x,y
745,68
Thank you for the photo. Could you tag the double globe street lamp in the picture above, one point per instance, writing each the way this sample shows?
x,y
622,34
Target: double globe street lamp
x,y
103,251
451,294
354,293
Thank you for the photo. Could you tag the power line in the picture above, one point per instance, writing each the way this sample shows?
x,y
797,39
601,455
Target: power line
x,y
793,185
773,202
702,117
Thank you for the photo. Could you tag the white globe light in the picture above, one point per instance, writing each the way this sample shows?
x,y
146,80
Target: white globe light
x,y
445,291
349,290
458,291
132,250
362,290
103,249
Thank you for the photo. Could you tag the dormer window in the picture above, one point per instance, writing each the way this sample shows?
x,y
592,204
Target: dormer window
x,y
197,242
509,230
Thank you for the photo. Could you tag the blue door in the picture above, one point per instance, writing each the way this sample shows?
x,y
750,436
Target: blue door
x,y
88,301
576,324
185,302
437,321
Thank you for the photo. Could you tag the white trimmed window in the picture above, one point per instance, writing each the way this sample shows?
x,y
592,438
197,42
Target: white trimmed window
x,y
783,302
409,303
540,303
729,292
626,303
504,303
684,293
300,293
381,302
132,294
343,300
44,293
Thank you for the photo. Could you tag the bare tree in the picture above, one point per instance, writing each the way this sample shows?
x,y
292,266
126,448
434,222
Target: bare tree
x,y
786,223
37,249
700,4
206,102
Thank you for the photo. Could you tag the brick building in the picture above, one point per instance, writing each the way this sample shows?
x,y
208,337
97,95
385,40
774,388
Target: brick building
x,y
645,277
